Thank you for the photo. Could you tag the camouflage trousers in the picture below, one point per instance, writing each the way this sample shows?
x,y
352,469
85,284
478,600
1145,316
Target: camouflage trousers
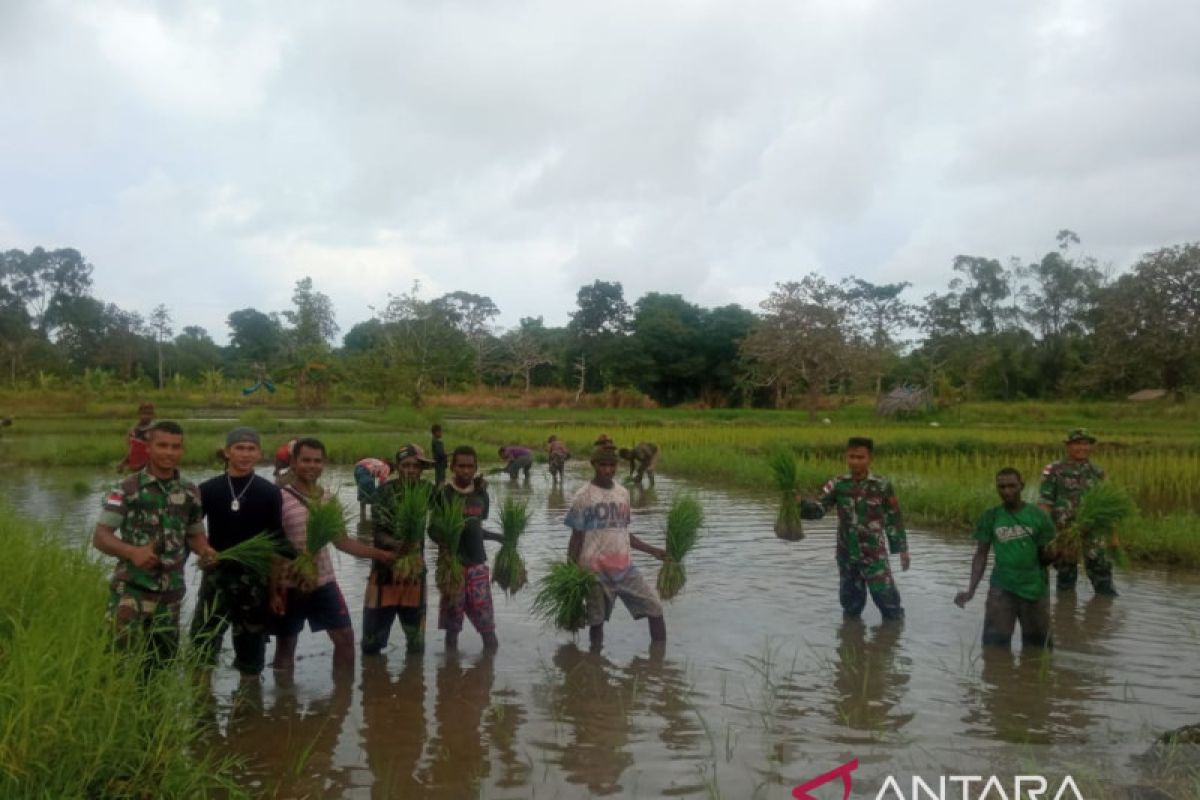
x,y
145,618
857,578
1097,563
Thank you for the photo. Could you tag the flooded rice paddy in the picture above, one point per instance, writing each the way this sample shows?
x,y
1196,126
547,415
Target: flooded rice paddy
x,y
761,685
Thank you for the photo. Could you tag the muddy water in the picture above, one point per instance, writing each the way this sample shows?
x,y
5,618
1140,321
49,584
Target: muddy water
x,y
761,686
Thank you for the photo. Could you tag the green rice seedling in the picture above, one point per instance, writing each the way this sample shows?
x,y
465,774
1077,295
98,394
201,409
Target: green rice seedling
x,y
683,529
255,554
446,528
1102,508
326,522
788,525
509,569
562,593
405,518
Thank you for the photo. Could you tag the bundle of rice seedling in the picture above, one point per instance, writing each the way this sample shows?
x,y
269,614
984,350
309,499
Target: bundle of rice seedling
x,y
1101,508
446,528
405,518
683,528
562,594
255,554
788,524
508,570
326,522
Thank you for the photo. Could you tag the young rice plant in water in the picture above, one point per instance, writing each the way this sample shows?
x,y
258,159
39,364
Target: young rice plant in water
x,y
683,529
446,528
508,568
561,599
788,524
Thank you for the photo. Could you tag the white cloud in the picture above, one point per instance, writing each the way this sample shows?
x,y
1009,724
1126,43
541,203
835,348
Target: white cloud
x,y
209,155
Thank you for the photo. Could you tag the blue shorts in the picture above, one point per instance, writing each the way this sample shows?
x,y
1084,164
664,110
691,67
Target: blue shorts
x,y
324,609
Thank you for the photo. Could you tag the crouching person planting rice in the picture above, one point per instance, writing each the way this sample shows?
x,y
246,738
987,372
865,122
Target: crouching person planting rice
x,y
601,542
396,587
313,519
1021,534
148,521
465,594
869,526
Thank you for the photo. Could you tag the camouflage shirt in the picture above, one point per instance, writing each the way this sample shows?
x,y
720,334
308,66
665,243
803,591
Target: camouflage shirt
x,y
144,509
1063,485
867,512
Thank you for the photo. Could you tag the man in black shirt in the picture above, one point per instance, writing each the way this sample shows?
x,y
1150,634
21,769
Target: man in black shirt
x,y
237,505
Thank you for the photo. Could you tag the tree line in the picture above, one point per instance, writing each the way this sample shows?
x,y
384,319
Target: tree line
x,y
1060,326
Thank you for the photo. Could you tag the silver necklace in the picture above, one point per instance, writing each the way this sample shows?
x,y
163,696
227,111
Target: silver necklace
x,y
236,504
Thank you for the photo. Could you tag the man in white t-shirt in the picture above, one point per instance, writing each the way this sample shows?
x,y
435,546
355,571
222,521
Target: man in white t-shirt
x,y
601,542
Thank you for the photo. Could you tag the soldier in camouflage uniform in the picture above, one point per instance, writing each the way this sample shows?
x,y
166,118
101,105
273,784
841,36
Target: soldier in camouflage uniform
x,y
149,520
869,527
1064,483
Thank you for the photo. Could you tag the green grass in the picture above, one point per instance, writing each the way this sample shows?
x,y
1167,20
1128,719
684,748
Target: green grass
x,y
76,718
944,474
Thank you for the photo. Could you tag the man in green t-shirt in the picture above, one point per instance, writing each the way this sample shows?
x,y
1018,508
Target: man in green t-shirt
x,y
1020,533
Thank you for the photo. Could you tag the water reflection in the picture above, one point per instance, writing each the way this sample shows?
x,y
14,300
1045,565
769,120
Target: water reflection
x,y
870,677
459,750
393,732
292,742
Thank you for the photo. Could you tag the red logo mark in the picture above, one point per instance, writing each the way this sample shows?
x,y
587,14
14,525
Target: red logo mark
x,y
801,792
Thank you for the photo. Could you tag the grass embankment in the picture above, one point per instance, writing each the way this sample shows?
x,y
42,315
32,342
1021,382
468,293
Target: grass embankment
x,y
76,717
944,473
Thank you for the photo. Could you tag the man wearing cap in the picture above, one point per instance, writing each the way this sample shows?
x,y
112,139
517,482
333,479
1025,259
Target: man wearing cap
x,y
239,504
1064,483
387,596
601,543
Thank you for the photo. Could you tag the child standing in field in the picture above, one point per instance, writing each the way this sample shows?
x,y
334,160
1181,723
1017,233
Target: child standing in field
x,y
437,450
474,599
869,526
387,596
601,542
557,454
137,453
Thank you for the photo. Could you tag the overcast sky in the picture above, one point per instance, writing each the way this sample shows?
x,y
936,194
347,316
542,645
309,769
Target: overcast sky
x,y
207,155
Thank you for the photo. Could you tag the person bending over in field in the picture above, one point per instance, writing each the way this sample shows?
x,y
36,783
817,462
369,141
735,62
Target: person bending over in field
x,y
557,454
283,473
517,460
369,475
601,542
869,526
1021,533
149,521
322,606
474,599
643,460
389,597
1064,483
